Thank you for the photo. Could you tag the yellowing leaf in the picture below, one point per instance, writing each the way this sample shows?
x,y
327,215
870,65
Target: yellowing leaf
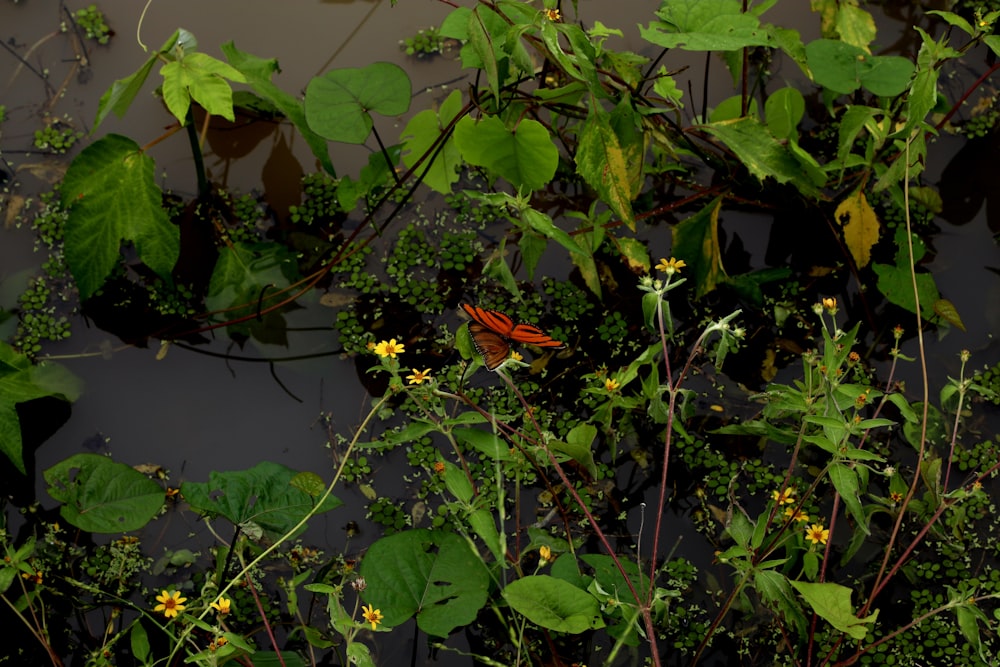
x,y
861,226
947,311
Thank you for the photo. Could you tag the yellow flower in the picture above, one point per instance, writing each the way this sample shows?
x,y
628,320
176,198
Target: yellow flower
x,y
373,616
418,377
516,356
171,604
611,384
798,515
389,348
222,605
544,554
670,266
830,303
784,497
553,15
817,534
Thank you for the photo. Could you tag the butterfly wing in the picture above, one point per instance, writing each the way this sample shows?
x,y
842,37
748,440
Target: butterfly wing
x,y
532,335
493,347
491,319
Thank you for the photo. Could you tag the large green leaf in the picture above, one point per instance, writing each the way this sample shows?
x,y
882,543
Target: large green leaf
x,y
99,495
422,132
554,604
258,72
338,103
762,154
844,68
696,241
268,495
435,576
525,156
705,25
202,78
20,382
111,196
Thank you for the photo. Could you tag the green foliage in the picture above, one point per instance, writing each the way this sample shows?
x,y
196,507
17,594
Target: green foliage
x,y
111,196
427,42
99,495
338,103
266,497
92,20
431,575
20,382
57,137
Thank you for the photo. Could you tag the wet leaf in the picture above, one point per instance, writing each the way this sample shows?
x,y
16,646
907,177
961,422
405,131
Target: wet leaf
x,y
338,103
554,604
264,495
112,197
99,495
20,382
861,226
432,575
525,156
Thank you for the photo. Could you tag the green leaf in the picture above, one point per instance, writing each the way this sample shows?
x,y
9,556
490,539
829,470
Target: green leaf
x,y
705,25
421,133
845,480
485,29
554,604
832,602
526,156
696,241
264,495
99,495
433,575
457,482
202,78
485,442
338,103
602,163
111,195
844,68
947,311
783,111
121,94
578,446
20,382
258,72
762,154
483,525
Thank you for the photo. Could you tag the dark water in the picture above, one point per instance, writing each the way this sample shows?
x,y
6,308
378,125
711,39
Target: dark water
x,y
193,414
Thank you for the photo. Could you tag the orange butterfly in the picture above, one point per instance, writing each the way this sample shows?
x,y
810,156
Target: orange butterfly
x,y
492,333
